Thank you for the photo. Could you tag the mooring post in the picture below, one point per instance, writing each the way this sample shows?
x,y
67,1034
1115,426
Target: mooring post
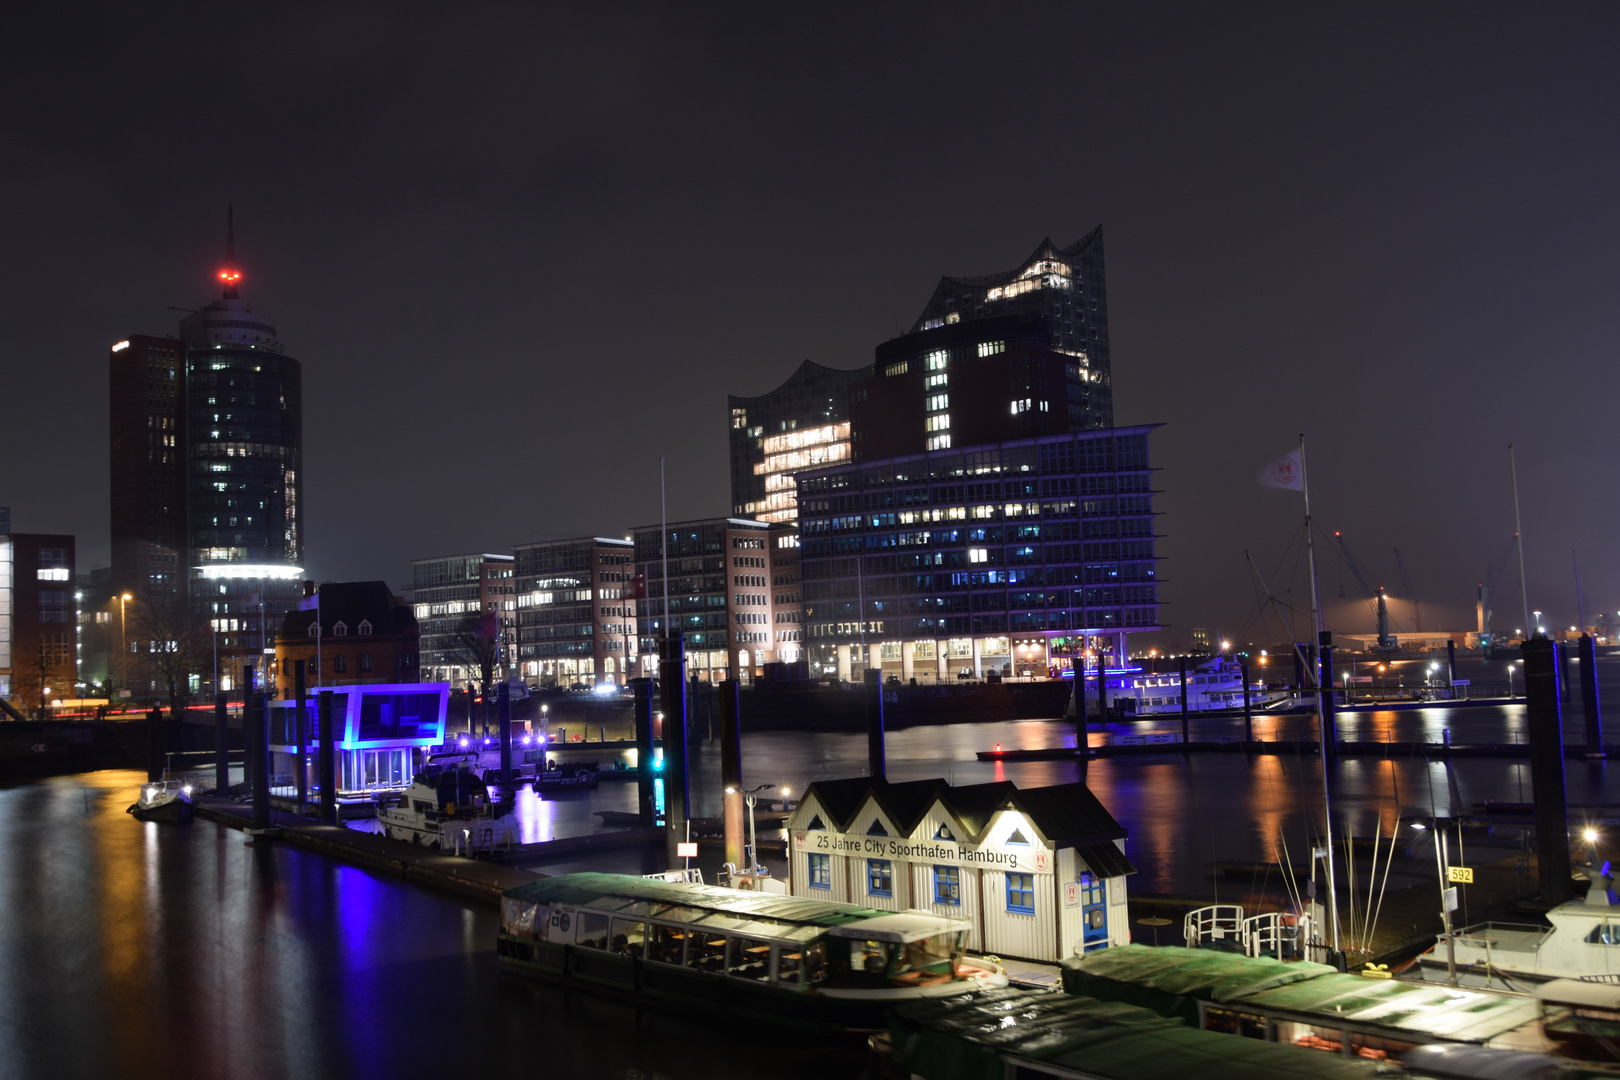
x,y
222,747
1589,697
1102,688
677,779
1330,727
875,765
1544,719
641,690
154,745
1248,710
1184,734
328,761
731,773
1451,666
503,700
253,717
1563,676
300,734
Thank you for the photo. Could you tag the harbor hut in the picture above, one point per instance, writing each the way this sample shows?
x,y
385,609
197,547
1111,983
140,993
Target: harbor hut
x,y
1038,874
383,733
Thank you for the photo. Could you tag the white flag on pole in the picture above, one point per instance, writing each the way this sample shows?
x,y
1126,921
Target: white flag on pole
x,y
1285,472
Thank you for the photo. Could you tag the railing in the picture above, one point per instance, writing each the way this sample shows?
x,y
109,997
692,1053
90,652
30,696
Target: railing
x,y
1270,934
1217,922
1518,937
692,876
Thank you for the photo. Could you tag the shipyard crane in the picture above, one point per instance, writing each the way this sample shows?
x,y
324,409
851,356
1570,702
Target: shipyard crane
x,y
1406,588
1374,597
1487,588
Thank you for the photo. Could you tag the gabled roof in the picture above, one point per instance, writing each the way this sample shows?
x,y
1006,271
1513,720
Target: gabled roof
x,y
1068,815
980,280
351,603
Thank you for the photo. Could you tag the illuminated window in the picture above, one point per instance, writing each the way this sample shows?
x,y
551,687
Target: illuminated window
x,y
936,361
978,555
897,369
821,871
932,381
940,422
1021,405
939,442
1021,894
937,402
990,348
880,878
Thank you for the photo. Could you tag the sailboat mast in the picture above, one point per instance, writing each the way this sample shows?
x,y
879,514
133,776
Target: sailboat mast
x,y
1518,533
1321,713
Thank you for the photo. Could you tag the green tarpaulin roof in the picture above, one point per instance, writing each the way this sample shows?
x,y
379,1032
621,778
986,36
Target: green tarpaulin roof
x,y
966,1037
1171,981
591,888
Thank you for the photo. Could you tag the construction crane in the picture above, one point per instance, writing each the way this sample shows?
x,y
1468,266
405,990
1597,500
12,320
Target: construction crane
x,y
1406,589
1374,597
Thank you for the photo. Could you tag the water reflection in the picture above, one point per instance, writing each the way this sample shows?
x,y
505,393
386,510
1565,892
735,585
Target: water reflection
x,y
134,950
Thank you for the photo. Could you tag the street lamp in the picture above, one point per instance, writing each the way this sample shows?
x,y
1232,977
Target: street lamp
x,y
1510,681
753,837
1441,857
1539,630
123,640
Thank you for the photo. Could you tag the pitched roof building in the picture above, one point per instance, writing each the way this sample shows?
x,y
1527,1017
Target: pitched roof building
x,y
349,632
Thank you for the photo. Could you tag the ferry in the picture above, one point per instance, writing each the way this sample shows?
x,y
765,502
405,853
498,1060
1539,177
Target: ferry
x,y
163,800
1583,942
1216,684
810,964
446,806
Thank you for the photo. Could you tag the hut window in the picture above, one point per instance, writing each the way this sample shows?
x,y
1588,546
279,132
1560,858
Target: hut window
x,y
816,823
1021,894
821,871
943,833
948,885
879,877
1018,837
877,829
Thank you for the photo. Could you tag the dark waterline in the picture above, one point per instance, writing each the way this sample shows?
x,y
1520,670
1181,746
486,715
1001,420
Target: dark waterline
x,y
135,950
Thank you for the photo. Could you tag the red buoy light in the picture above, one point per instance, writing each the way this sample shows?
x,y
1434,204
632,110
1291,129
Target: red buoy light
x,y
998,748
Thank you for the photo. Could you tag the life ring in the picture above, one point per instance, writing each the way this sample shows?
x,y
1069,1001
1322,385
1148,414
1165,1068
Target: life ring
x,y
746,883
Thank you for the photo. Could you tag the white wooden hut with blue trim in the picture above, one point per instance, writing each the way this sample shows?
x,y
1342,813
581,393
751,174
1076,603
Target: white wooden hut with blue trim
x,y
1039,874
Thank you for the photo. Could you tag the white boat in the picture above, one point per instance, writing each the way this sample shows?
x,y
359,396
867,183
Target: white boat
x,y
1215,684
447,807
1583,942
163,800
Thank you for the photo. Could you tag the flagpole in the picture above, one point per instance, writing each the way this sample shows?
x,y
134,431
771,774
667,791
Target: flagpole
x,y
1321,714
1518,534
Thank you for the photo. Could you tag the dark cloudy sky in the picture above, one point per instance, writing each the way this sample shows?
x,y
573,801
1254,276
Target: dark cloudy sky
x,y
523,250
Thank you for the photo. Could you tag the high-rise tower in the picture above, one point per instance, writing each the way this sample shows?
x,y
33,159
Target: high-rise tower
x,y
244,469
207,447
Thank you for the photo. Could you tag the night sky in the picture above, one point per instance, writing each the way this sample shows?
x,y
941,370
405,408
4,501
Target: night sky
x,y
522,252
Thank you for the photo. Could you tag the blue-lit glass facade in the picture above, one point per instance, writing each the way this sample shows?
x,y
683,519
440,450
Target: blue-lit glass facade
x,y
1034,550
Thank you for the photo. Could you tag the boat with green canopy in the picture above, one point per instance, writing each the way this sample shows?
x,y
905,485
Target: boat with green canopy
x,y
781,959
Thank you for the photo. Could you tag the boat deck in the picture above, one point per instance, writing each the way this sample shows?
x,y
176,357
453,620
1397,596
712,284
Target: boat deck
x,y
1504,937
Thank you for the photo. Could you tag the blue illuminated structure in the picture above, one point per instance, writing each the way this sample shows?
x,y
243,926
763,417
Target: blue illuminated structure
x,y
383,731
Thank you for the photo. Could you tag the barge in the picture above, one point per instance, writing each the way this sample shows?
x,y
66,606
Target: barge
x,y
809,964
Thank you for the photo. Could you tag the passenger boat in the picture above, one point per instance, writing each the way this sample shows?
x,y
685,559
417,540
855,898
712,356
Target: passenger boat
x,y
447,806
163,800
1582,942
549,774
811,964
1214,685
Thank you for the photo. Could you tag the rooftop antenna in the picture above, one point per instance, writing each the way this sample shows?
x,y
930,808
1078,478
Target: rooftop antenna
x,y
230,275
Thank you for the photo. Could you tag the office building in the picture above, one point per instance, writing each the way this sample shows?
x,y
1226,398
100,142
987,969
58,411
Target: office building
x,y
206,468
38,618
147,378
576,615
349,632
1018,354
1026,556
730,579
466,608
802,424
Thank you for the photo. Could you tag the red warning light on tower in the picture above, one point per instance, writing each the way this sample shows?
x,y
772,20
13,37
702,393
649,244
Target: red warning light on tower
x,y
230,275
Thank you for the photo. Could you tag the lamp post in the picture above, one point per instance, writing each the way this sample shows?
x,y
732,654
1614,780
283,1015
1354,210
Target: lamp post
x,y
123,640
1440,859
753,837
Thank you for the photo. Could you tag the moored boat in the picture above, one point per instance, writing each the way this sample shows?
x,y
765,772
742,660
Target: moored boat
x,y
447,806
163,800
779,959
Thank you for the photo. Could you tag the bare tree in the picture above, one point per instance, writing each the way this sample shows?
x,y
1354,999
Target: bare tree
x,y
47,670
475,645
168,647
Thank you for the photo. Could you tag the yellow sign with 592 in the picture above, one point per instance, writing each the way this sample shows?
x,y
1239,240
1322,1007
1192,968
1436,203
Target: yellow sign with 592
x,y
1460,875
